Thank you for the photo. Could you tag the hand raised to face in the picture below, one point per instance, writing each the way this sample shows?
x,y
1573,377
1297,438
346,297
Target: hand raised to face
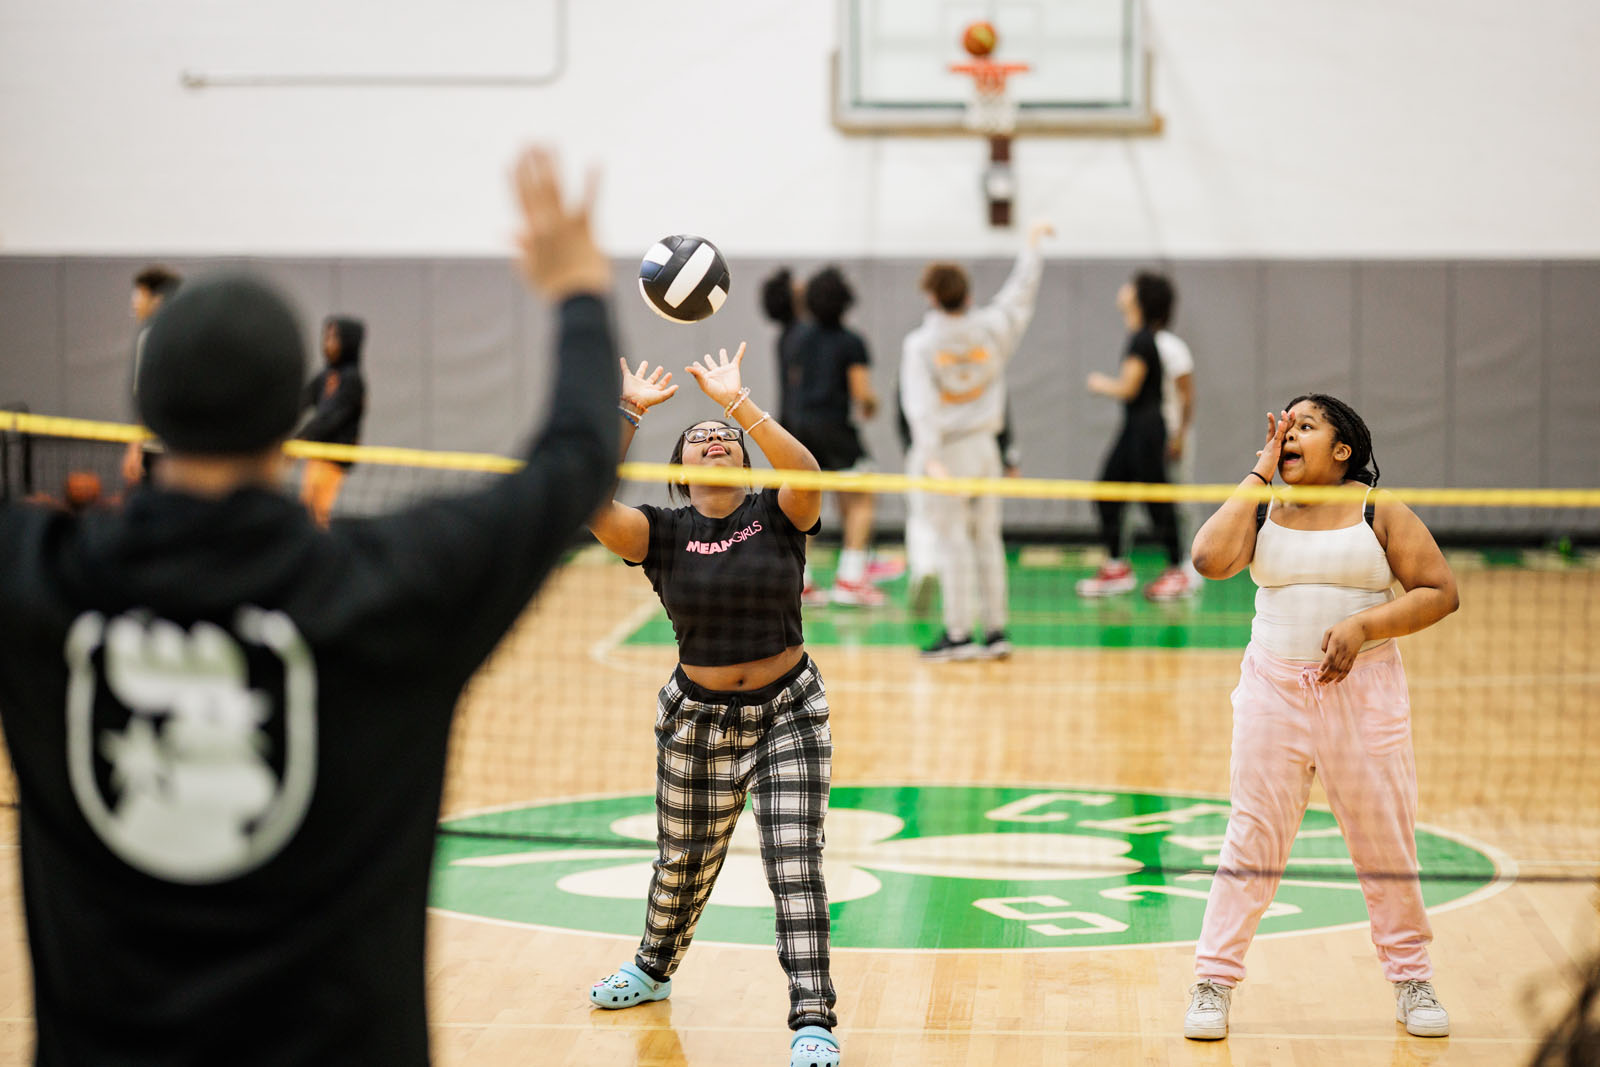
x,y
1272,450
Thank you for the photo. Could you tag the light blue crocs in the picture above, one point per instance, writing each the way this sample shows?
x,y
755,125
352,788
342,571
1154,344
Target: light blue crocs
x,y
813,1047
627,987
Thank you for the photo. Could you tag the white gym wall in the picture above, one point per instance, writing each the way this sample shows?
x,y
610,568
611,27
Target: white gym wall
x,y
1364,128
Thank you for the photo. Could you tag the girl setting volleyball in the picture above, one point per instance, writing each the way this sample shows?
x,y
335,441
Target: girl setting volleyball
x,y
745,712
1322,692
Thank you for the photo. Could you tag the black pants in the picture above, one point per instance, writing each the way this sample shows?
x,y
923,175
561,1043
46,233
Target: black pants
x,y
1139,454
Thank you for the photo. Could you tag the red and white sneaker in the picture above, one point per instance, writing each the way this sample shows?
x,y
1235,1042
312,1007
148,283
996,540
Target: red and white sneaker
x,y
884,570
1113,577
814,596
857,594
1173,584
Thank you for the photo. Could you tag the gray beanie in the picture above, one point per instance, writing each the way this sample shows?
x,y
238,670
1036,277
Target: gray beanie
x,y
222,369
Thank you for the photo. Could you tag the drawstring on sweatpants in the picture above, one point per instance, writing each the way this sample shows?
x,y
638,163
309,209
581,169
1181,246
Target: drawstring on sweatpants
x,y
730,717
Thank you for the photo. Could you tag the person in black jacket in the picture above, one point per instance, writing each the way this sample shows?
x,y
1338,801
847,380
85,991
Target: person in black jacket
x,y
151,286
228,725
826,380
1139,453
339,396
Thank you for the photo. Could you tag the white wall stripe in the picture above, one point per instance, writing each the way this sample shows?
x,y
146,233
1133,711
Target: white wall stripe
x,y
692,274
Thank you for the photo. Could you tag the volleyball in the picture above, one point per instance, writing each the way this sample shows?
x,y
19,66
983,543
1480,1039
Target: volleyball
x,y
979,38
683,278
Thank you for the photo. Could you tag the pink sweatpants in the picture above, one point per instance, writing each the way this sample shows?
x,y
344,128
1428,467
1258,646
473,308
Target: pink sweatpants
x,y
1357,735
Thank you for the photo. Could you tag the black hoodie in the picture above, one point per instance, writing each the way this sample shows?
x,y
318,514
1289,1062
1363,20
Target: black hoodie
x,y
338,393
228,728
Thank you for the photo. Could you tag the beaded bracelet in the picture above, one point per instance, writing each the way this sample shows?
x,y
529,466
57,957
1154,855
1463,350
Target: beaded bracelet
x,y
633,420
740,399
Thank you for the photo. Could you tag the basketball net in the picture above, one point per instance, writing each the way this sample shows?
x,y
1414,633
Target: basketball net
x,y
990,110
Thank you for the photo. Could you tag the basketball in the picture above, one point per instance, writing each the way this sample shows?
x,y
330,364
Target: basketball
x,y
979,38
683,278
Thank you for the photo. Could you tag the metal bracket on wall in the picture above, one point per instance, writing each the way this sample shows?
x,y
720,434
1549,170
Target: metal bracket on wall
x,y
199,79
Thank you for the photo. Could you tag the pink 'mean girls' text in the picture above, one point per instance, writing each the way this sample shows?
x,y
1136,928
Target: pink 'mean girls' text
x,y
706,548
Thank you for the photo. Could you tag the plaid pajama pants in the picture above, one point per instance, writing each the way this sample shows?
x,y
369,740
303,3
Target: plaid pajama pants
x,y
712,749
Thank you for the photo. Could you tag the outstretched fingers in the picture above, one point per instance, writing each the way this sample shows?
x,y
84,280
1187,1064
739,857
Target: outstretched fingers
x,y
591,192
538,192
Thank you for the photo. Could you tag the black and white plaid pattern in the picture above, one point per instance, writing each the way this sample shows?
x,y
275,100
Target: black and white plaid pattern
x,y
711,750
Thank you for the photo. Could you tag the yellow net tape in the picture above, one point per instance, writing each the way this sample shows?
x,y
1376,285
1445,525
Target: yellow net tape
x,y
1013,488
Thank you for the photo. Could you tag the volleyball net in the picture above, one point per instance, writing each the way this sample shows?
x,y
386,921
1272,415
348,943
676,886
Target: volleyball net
x,y
1102,741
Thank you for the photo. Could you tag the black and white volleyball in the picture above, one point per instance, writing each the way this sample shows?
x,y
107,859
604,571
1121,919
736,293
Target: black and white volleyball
x,y
683,278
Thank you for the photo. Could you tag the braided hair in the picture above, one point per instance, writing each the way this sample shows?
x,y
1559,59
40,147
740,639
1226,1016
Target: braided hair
x,y
1349,428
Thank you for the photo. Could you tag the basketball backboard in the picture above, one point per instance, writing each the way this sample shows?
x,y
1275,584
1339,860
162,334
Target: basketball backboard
x,y
1090,70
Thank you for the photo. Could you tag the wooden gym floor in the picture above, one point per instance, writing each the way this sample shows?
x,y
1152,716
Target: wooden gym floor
x,y
1506,712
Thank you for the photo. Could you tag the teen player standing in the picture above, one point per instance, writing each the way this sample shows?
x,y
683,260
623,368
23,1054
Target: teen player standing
x,y
1322,691
338,395
952,387
745,711
1143,444
151,286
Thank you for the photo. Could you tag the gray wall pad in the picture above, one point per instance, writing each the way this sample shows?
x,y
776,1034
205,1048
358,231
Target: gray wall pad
x,y
1470,373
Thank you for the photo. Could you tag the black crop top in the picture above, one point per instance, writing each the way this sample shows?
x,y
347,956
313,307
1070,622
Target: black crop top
x,y
731,586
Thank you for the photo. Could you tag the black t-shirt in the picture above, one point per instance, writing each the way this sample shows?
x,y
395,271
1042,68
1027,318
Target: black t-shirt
x,y
1142,346
731,586
816,362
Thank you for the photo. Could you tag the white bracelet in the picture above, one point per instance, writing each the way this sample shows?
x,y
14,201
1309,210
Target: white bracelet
x,y
740,399
764,417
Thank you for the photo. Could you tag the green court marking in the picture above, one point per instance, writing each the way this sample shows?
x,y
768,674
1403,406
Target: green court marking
x,y
1046,611
928,867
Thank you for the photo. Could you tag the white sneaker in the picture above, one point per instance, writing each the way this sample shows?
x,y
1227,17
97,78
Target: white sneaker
x,y
1207,1017
1416,1005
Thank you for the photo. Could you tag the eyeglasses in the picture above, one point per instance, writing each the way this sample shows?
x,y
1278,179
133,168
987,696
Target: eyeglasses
x,y
701,434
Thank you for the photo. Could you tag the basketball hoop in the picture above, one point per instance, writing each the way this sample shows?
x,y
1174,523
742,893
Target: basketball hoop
x,y
994,114
990,110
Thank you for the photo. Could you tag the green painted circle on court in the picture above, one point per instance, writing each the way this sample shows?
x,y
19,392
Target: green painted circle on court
x,y
928,867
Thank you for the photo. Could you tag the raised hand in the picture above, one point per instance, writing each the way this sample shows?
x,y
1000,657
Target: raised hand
x,y
644,388
1272,450
557,254
719,377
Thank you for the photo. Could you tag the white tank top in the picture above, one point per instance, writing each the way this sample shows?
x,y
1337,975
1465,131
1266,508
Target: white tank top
x,y
1307,580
